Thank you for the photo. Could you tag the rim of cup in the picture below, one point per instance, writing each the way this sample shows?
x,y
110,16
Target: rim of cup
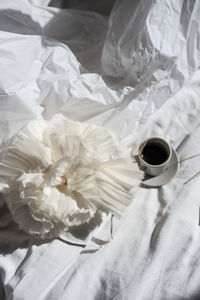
x,y
144,143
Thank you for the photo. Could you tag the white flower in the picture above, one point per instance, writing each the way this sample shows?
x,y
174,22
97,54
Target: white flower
x,y
57,173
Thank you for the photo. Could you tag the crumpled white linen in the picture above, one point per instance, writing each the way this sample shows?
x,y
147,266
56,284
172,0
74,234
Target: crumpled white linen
x,y
47,58
58,173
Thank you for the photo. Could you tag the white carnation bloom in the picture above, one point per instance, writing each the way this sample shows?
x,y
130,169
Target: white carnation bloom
x,y
57,173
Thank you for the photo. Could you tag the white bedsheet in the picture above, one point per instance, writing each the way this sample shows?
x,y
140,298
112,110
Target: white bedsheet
x,y
137,73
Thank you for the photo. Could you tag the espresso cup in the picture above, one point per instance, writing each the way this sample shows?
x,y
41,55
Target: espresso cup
x,y
154,155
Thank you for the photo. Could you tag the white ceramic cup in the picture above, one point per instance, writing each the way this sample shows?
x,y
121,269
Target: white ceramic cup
x,y
154,169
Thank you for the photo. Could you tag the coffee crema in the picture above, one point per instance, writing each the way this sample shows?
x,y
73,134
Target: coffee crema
x,y
154,153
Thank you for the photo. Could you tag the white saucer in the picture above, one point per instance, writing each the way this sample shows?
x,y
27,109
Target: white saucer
x,y
165,177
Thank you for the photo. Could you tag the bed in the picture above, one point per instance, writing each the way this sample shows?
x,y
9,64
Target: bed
x,y
135,71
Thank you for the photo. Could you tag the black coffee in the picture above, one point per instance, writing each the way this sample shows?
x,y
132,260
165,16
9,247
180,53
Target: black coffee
x,y
154,154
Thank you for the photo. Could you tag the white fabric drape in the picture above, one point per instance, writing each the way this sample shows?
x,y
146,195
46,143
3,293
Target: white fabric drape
x,y
136,73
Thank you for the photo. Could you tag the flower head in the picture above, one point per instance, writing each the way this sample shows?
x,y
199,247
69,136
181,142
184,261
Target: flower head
x,y
57,173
